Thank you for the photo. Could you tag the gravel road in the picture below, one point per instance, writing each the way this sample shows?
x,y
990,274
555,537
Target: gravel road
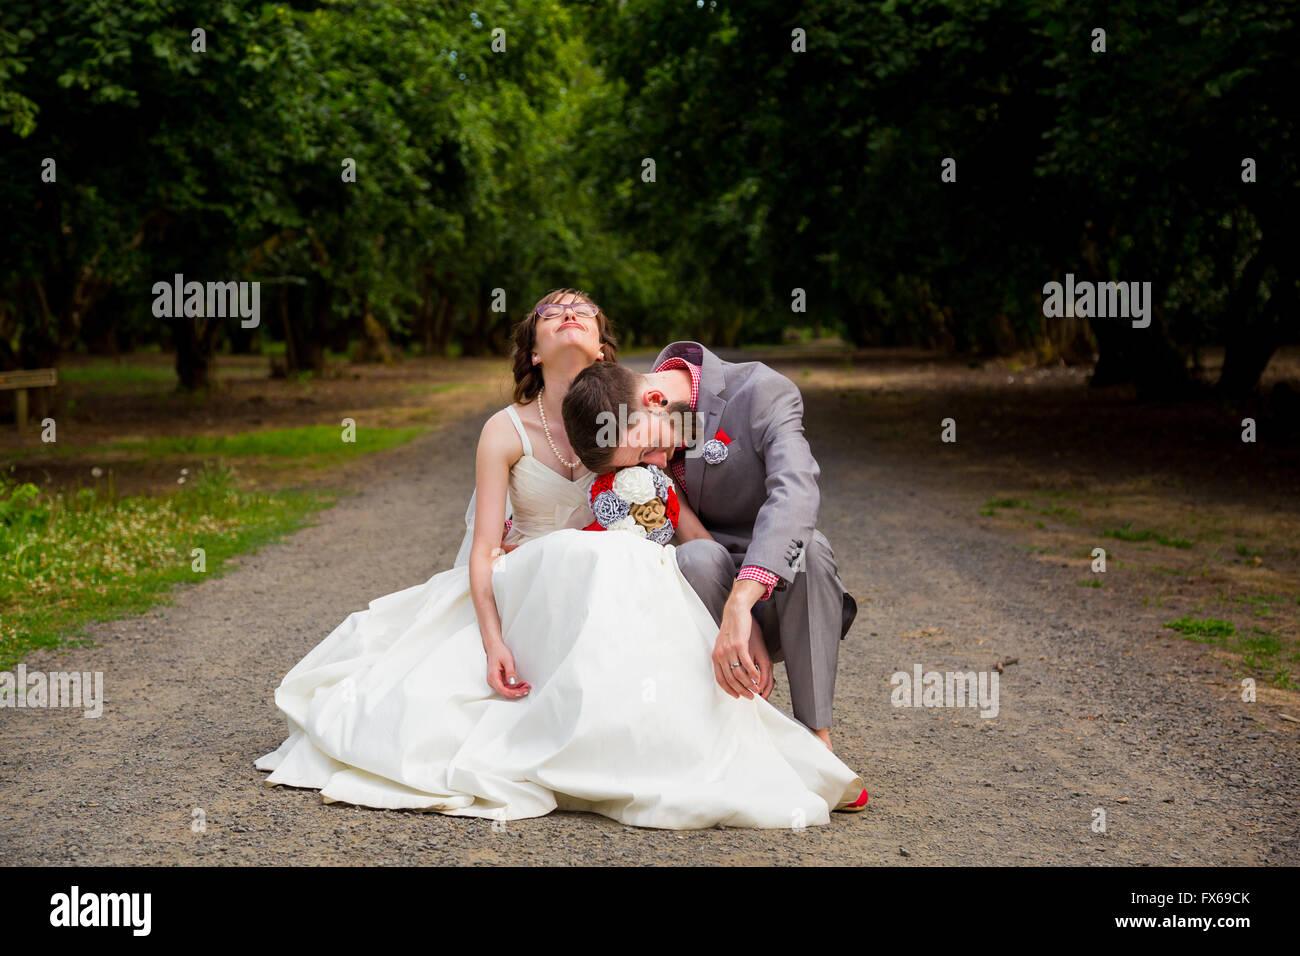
x,y
1096,713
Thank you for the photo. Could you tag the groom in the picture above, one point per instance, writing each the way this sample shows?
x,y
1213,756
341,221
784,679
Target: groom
x,y
753,484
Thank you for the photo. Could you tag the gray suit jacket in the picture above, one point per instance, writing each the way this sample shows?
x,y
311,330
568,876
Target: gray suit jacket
x,y
762,500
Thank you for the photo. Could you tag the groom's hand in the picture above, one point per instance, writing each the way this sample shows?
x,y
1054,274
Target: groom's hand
x,y
732,645
507,548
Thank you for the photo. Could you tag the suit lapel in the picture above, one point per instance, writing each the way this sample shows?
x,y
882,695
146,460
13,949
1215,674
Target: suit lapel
x,y
710,407
708,404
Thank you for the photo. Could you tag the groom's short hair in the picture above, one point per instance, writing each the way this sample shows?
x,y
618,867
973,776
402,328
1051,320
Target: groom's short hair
x,y
597,392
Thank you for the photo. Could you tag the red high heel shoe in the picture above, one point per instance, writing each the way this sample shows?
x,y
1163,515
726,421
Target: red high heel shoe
x,y
856,805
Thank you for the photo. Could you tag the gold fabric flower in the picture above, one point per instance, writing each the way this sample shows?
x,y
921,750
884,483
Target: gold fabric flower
x,y
650,515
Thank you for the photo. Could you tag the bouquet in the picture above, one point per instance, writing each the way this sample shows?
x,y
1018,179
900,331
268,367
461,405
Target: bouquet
x,y
639,498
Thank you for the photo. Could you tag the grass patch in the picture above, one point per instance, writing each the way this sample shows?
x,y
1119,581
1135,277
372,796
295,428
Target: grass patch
x,y
1088,583
1260,651
435,389
990,507
1068,515
1210,630
276,347
1060,511
117,374
1261,605
306,442
1006,503
89,556
1127,533
323,443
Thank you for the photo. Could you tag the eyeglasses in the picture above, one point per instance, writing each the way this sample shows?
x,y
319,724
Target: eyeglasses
x,y
553,310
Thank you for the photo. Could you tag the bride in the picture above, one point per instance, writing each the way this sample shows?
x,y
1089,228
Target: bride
x,y
559,668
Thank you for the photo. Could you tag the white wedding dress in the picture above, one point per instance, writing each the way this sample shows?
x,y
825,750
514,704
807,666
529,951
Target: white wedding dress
x,y
393,708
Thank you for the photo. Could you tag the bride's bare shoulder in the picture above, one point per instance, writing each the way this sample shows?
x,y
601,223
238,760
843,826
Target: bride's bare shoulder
x,y
500,436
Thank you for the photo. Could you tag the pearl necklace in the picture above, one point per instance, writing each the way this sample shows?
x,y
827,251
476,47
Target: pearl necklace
x,y
546,428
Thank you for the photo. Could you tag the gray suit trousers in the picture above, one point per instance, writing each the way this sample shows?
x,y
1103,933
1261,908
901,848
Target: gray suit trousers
x,y
802,624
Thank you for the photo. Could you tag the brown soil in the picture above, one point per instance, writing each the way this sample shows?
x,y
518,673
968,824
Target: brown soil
x,y
1102,707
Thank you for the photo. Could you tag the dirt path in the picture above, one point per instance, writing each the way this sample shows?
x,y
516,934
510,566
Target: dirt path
x,y
1095,712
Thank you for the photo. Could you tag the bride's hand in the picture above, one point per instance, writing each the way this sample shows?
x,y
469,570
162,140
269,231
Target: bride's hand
x,y
501,673
762,660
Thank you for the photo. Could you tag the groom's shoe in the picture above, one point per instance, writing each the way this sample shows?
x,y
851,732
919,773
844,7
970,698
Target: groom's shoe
x,y
856,805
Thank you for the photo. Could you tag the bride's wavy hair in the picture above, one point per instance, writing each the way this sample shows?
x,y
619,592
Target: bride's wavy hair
x,y
528,377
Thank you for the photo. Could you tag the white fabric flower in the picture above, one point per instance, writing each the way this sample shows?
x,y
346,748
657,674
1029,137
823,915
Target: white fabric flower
x,y
627,524
634,485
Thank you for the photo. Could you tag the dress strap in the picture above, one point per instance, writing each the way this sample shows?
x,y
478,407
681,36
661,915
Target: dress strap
x,y
519,427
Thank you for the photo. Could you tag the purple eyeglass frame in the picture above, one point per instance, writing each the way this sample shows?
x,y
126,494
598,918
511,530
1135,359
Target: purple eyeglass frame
x,y
567,307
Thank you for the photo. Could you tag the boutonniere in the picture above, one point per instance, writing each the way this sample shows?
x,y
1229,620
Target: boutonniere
x,y
715,449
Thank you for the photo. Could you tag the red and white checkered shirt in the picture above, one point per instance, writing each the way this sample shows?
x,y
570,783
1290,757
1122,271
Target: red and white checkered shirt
x,y
677,464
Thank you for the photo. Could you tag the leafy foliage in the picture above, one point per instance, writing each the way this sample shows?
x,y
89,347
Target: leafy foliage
x,y
521,170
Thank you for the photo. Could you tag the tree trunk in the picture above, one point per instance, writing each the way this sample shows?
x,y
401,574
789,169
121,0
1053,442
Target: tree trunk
x,y
286,322
194,336
314,345
1144,358
99,327
374,344
38,346
1244,361
303,316
424,311
1248,351
241,339
863,325
442,325
477,338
